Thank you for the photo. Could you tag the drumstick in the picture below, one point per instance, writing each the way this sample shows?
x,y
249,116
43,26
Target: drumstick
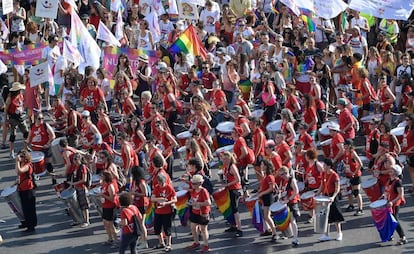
x,y
37,145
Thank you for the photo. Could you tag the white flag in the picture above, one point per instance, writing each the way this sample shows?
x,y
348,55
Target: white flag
x,y
85,43
71,53
73,4
328,9
154,25
5,30
116,5
3,67
390,9
41,73
106,35
119,28
158,7
294,5
172,7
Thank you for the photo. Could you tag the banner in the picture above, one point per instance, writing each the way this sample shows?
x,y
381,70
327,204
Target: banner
x,y
7,6
111,55
387,9
27,55
39,74
187,10
46,8
328,9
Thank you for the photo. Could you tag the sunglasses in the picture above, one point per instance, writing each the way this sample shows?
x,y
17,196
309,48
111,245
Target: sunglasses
x,y
40,118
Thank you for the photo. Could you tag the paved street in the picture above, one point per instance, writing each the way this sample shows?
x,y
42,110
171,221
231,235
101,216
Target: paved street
x,y
55,235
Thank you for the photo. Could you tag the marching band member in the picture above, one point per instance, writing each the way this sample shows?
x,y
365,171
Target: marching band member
x,y
313,174
111,201
141,200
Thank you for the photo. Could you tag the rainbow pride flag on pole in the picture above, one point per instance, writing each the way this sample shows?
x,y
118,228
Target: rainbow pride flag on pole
x,y
222,199
306,15
189,43
149,216
257,218
183,210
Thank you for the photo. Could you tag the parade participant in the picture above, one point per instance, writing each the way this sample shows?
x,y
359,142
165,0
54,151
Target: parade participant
x,y
122,81
59,115
109,166
78,182
91,97
204,147
288,126
265,193
403,70
157,117
352,169
138,143
309,114
153,150
194,151
368,94
198,120
292,102
50,54
244,156
129,157
394,194
172,107
104,85
14,114
259,142
200,213
240,121
73,124
313,174
283,149
140,200
109,205
96,164
272,155
143,75
146,107
168,143
290,196
32,96
268,97
164,197
337,146
300,163
242,103
68,153
304,136
127,221
317,93
372,140
159,165
128,105
234,186
25,184
40,137
345,119
386,137
89,131
104,125
218,102
407,147
330,187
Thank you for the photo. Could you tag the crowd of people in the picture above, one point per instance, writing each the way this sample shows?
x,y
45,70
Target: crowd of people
x,y
328,88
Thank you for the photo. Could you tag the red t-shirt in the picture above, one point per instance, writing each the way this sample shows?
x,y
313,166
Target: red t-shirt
x,y
408,140
309,115
167,192
93,97
313,176
39,136
230,178
337,139
132,155
200,196
276,161
25,180
78,173
138,200
328,183
238,144
352,164
219,98
268,181
281,150
291,101
259,142
58,113
345,117
103,128
307,140
128,213
105,190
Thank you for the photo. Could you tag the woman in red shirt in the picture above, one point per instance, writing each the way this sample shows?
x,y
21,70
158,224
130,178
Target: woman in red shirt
x,y
367,91
309,114
141,200
171,104
386,98
407,147
292,102
128,211
164,197
25,187
313,173
104,125
200,212
128,106
330,187
109,205
267,186
287,126
352,169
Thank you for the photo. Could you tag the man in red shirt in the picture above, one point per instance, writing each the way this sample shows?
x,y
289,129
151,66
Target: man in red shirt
x,y
244,155
259,142
207,78
283,149
346,120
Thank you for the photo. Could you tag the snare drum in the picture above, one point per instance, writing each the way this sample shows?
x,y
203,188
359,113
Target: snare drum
x,y
382,219
38,161
96,180
228,148
273,126
372,188
182,137
379,204
182,207
57,157
322,207
308,200
281,215
250,202
223,134
12,197
69,197
326,146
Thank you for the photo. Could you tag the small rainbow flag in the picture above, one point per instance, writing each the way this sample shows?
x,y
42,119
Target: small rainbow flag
x,y
189,43
149,216
257,218
306,16
222,199
183,210
275,6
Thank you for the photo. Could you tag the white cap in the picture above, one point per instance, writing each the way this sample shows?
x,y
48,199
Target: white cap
x,y
86,113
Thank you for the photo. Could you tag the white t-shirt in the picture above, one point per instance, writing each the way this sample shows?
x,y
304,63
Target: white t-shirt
x,y
361,22
51,55
209,19
61,65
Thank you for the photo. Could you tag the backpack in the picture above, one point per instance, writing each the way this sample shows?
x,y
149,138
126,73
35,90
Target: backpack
x,y
88,182
136,227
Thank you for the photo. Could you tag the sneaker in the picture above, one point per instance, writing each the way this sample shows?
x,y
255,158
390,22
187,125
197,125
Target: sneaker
x,y
193,246
159,246
324,238
73,224
167,248
254,191
231,229
205,249
143,245
402,241
84,225
239,233
359,213
108,242
295,242
274,238
310,221
350,208
266,233
339,237
12,156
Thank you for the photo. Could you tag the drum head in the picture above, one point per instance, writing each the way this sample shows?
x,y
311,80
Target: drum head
x,y
184,135
277,206
257,113
324,131
56,141
224,148
37,156
369,183
301,186
96,178
378,204
322,199
307,195
9,190
181,193
326,124
68,193
182,186
182,149
225,127
274,126
399,131
252,198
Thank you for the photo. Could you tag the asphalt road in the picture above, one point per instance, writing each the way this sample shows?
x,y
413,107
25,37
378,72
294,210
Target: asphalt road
x,y
55,235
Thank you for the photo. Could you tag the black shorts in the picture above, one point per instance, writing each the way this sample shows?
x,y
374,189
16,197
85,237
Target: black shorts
x,y
294,210
198,219
82,199
410,161
108,214
366,107
355,180
234,200
162,222
267,200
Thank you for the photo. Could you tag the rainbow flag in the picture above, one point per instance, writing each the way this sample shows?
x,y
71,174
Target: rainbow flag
x,y
275,6
257,218
189,43
306,15
149,216
222,199
183,210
